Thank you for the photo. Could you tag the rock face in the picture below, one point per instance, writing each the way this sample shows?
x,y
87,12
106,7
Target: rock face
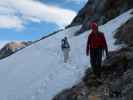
x,y
11,48
125,33
101,11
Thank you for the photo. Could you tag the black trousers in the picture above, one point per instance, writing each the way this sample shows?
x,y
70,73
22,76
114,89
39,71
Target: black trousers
x,y
96,60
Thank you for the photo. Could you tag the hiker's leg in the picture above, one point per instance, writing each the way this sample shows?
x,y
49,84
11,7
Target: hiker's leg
x,y
66,55
93,60
98,61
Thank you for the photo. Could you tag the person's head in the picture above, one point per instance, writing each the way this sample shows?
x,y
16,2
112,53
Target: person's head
x,y
65,38
94,27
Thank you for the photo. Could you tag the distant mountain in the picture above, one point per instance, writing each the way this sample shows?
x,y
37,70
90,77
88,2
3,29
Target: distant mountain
x,y
12,47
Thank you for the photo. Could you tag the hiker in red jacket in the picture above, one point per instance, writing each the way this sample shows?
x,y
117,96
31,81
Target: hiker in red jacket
x,y
96,45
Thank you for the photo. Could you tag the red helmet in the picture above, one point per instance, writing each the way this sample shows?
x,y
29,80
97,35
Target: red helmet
x,y
94,26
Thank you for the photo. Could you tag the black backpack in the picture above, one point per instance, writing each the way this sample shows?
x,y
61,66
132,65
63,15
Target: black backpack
x,y
64,44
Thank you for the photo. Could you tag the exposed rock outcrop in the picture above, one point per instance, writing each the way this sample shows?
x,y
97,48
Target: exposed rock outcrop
x,y
101,11
125,33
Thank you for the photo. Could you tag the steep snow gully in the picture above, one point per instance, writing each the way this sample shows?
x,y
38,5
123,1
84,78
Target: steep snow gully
x,y
38,72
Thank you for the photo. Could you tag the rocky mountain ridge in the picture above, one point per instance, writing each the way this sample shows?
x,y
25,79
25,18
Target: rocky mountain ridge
x,y
101,11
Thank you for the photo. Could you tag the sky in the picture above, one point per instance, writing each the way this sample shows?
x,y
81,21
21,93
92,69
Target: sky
x,y
32,19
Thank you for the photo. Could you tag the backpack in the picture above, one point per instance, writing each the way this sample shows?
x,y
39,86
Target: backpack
x,y
64,44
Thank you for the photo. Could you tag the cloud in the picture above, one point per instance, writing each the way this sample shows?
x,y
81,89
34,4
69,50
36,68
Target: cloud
x,y
7,21
16,13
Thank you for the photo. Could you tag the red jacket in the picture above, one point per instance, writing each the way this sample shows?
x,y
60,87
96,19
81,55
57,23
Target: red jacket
x,y
96,41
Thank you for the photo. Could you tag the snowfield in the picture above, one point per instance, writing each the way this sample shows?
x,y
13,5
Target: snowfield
x,y
38,72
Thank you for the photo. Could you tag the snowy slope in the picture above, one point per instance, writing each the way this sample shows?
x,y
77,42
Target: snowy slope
x,y
38,72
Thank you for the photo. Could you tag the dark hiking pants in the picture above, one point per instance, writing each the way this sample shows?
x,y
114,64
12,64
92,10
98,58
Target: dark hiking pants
x,y
96,60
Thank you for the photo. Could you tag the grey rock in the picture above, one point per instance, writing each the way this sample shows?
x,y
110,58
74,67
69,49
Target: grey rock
x,y
100,11
124,33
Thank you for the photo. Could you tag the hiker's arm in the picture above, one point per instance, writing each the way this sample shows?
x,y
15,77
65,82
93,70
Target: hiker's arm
x,y
105,45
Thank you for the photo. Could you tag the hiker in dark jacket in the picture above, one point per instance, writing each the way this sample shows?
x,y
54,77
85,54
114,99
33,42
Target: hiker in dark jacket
x,y
96,45
65,49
